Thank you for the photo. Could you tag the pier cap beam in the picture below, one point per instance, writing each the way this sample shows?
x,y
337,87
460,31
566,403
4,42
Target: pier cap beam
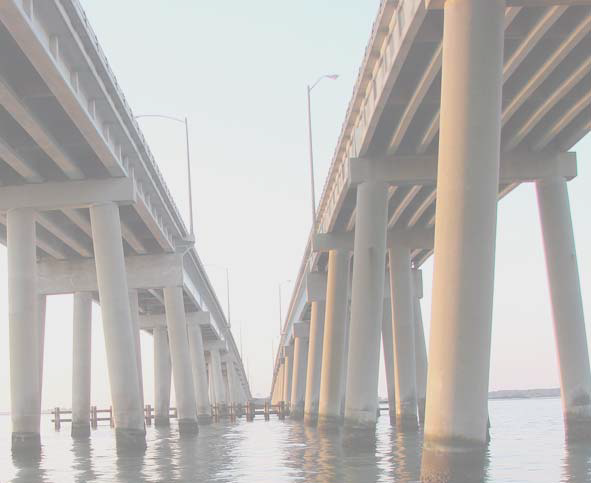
x,y
422,170
68,194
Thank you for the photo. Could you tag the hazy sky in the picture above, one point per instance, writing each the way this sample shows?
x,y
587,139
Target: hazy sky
x,y
238,70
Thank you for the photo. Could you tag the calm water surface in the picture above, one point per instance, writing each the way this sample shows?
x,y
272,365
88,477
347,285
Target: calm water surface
x,y
527,446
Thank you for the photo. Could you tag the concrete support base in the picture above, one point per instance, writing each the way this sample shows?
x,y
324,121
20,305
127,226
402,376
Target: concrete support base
x,y
161,421
80,430
188,427
26,442
454,467
204,419
130,440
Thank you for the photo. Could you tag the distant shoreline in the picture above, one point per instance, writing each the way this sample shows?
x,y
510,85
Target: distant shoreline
x,y
524,393
502,394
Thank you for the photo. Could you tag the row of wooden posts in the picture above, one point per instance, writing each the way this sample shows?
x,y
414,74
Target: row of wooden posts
x,y
231,412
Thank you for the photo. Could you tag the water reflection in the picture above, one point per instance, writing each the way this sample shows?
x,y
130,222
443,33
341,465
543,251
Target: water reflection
x,y
82,457
28,467
527,446
577,463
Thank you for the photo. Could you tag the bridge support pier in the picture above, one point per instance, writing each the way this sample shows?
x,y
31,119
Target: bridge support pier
x,y
81,366
117,326
567,307
162,377
24,330
465,230
181,360
217,378
403,329
134,307
388,347
314,369
199,372
300,368
333,347
367,302
287,374
278,388
420,345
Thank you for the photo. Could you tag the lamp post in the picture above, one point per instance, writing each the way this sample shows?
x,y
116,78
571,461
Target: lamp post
x,y
186,123
310,146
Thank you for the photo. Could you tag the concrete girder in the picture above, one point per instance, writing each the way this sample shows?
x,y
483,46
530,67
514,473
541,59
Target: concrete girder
x,y
16,162
571,81
27,120
433,126
422,170
63,81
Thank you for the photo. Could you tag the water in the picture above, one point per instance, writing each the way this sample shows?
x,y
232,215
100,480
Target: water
x,y
527,446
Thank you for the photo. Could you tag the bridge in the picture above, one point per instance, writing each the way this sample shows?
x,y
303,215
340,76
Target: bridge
x,y
456,104
85,210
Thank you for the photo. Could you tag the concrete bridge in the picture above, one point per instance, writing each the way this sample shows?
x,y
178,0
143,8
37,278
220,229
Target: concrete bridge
x,y
457,103
85,210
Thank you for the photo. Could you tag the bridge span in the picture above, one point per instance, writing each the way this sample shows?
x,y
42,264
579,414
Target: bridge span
x,y
456,104
84,209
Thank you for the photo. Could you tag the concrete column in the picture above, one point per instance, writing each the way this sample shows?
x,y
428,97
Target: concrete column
x,y
420,345
465,228
81,365
41,312
403,329
162,376
567,307
24,333
231,377
388,346
333,347
300,368
314,369
345,365
217,378
278,389
199,373
134,307
287,373
181,359
117,325
367,301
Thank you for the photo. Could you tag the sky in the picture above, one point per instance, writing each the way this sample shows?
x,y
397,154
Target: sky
x,y
238,70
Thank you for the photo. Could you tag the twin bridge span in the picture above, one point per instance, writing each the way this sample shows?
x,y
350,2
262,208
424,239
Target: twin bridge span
x,y
85,210
457,103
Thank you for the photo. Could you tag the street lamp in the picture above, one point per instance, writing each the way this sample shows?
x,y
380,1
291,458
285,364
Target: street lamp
x,y
186,123
309,90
